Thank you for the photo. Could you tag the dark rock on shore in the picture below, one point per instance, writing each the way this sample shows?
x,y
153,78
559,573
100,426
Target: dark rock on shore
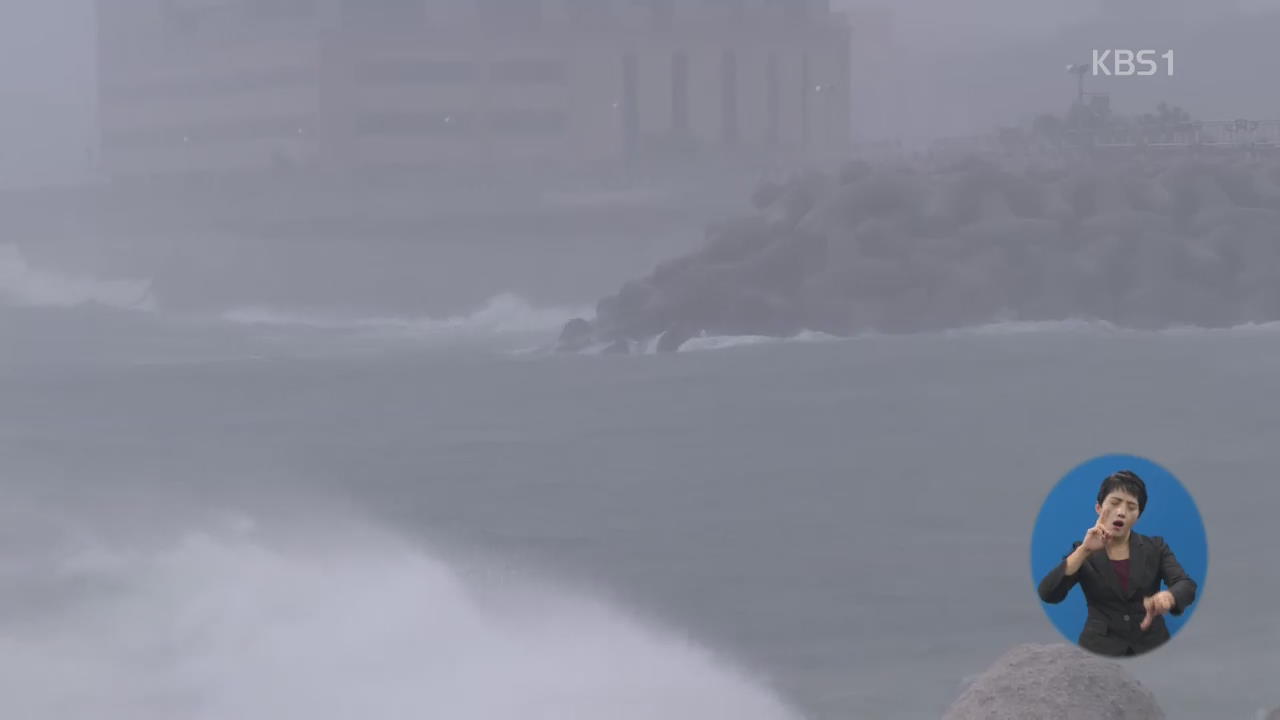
x,y
1139,242
1054,682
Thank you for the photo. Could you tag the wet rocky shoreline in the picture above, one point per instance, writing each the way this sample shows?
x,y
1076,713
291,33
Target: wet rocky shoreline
x,y
897,247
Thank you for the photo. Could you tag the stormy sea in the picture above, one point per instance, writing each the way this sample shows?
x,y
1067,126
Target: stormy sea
x,y
271,512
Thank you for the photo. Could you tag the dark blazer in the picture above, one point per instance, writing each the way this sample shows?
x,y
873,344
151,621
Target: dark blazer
x,y
1112,626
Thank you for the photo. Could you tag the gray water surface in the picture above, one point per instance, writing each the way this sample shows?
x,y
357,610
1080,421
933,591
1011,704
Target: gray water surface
x,y
846,522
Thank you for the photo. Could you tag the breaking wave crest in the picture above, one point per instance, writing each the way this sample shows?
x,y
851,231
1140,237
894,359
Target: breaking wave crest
x,y
228,624
1010,328
502,315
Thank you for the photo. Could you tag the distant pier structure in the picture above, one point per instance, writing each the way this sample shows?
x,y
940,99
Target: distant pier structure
x,y
208,86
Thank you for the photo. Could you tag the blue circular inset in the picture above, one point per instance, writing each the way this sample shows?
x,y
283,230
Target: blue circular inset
x,y
1069,511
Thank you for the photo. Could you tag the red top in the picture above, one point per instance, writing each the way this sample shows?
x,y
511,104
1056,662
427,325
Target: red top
x,y
1122,571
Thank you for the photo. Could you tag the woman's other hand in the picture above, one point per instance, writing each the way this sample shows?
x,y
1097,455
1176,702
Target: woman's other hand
x,y
1156,605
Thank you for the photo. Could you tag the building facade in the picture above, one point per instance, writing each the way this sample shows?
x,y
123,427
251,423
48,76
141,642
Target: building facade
x,y
196,86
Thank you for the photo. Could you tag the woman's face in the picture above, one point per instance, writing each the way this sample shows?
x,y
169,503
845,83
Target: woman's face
x,y
1118,512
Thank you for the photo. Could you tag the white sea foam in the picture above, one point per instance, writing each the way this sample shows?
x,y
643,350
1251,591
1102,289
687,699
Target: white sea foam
x,y
21,284
724,342
503,315
1045,327
228,625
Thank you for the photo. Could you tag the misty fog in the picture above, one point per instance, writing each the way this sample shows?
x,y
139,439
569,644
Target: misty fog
x,y
943,68
334,370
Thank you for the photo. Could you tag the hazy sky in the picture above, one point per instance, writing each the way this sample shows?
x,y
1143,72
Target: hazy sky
x,y
46,66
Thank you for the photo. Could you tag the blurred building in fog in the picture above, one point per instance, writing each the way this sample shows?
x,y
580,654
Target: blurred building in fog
x,y
876,72
1179,9
192,86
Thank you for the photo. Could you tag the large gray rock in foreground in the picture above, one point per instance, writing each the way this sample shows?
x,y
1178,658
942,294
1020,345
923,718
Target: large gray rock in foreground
x,y
1054,682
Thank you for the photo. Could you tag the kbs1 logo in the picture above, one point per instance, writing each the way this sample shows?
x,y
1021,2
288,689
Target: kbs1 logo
x,y
1130,63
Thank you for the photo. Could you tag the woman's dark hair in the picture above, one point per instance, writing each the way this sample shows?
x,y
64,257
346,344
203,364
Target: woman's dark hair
x,y
1125,481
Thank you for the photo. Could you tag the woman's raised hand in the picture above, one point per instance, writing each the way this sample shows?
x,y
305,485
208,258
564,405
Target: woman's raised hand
x,y
1096,538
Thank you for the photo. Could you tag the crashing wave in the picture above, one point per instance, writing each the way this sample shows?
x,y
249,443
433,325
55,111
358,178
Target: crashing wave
x,y
502,315
26,286
250,620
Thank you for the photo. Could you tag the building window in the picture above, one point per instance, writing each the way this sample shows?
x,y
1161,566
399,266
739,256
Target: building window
x,y
729,96
529,72
662,13
511,13
792,9
427,72
188,16
773,131
734,10
277,128
442,122
630,104
680,92
797,9
528,122
217,86
804,99
282,9
383,13
587,12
